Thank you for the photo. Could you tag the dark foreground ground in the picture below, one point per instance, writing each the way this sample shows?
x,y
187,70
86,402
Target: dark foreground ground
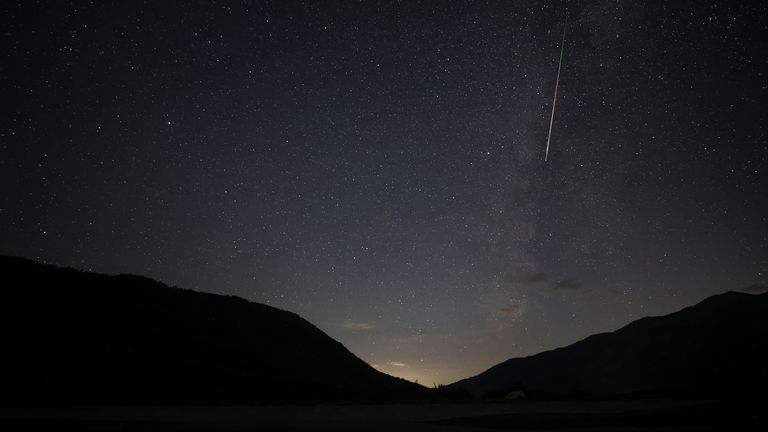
x,y
637,415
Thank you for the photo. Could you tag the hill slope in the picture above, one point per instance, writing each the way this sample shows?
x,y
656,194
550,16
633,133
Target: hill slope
x,y
72,336
719,346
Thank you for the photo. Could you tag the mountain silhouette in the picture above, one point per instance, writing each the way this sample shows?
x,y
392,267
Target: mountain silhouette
x,y
718,347
71,336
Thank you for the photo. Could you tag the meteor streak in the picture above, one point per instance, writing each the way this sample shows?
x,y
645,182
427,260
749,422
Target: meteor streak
x,y
557,82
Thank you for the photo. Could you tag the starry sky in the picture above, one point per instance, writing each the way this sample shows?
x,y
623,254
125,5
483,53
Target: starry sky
x,y
378,167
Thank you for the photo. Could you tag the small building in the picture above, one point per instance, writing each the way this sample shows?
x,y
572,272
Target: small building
x,y
515,395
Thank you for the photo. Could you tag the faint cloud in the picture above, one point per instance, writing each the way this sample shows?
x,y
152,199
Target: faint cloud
x,y
515,308
375,365
529,280
542,281
407,339
511,308
535,279
568,285
757,288
351,325
397,364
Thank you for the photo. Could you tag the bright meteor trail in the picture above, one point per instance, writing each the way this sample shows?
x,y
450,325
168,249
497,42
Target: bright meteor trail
x,y
557,82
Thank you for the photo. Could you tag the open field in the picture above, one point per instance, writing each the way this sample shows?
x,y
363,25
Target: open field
x,y
551,416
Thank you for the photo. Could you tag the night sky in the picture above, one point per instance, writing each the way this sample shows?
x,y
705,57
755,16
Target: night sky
x,y
378,167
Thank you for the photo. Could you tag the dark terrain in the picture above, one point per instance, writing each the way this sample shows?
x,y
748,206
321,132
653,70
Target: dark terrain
x,y
717,348
92,352
633,415
77,337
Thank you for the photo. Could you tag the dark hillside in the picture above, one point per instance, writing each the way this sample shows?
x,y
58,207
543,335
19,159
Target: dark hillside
x,y
74,336
718,347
